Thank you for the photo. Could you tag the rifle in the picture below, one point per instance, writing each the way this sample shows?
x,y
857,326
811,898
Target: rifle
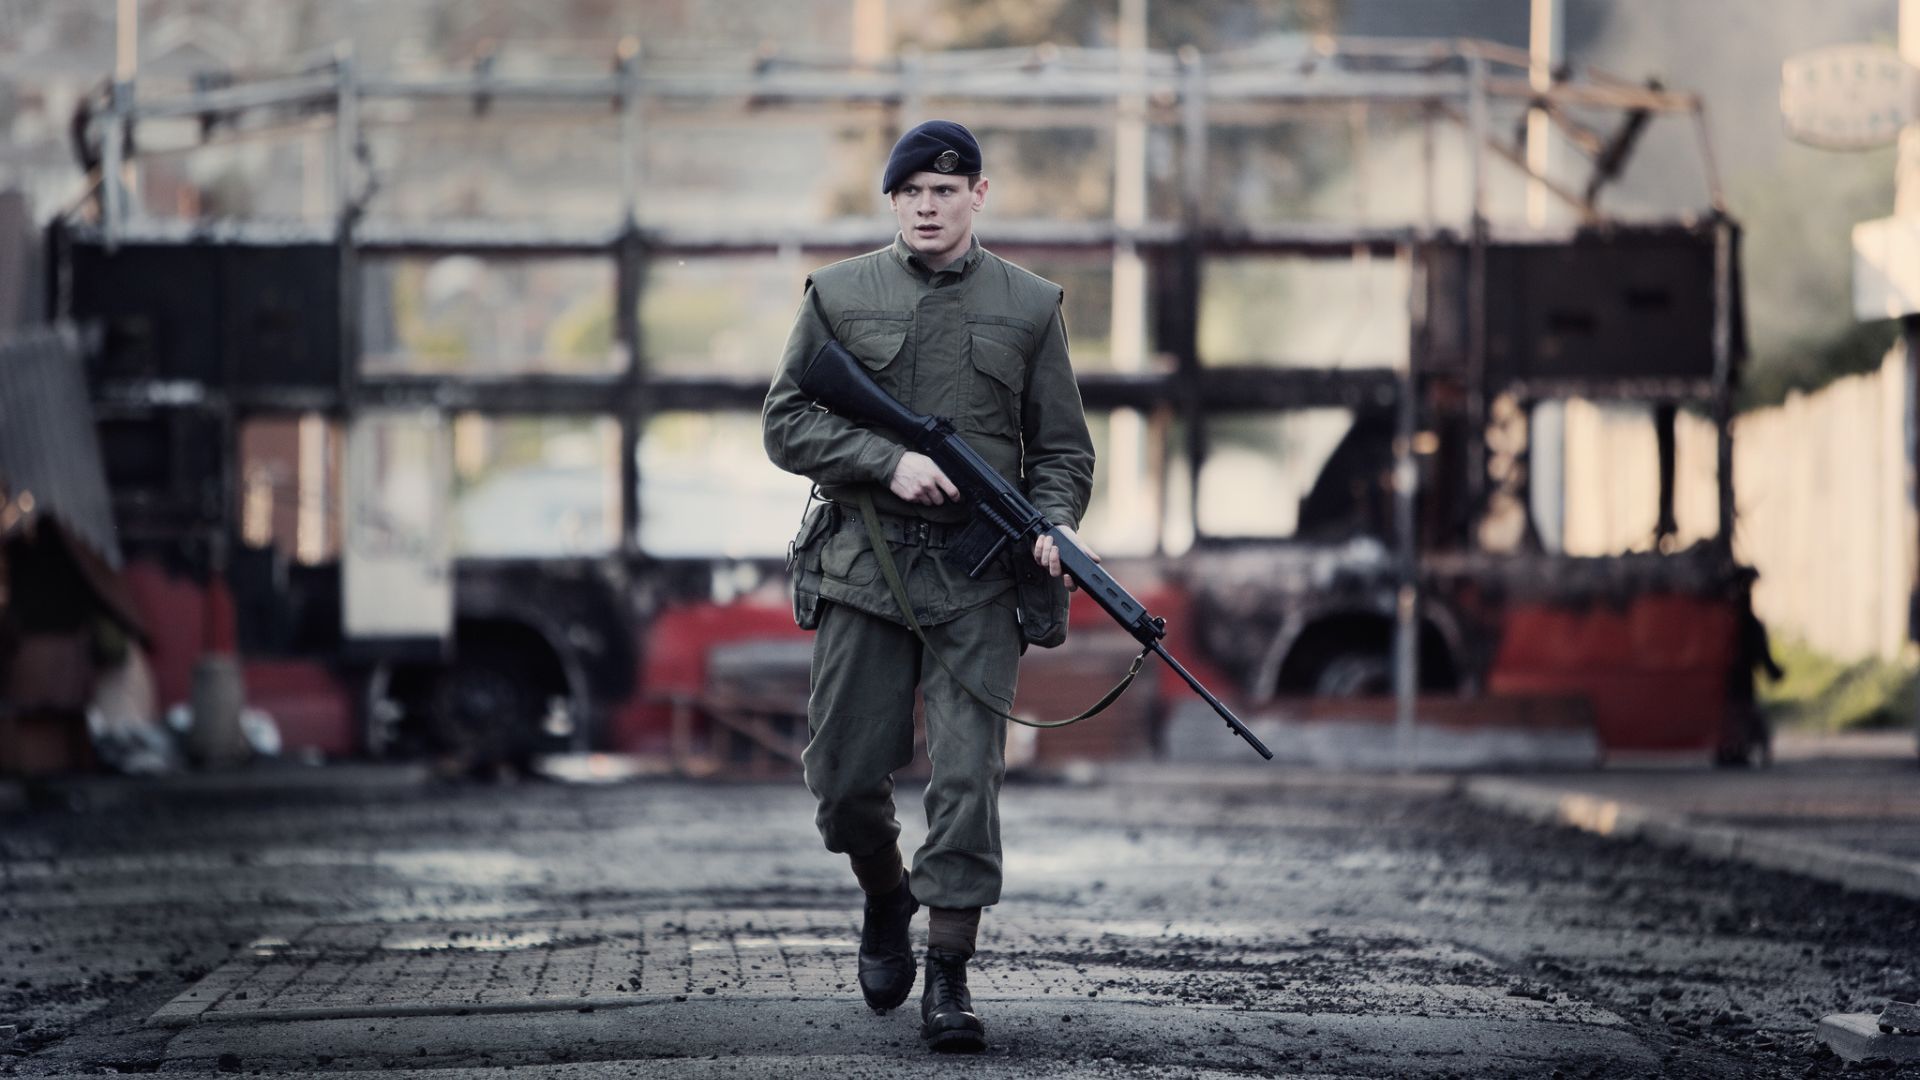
x,y
1001,514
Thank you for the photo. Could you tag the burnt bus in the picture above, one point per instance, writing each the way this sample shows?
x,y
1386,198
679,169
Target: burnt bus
x,y
473,486
295,480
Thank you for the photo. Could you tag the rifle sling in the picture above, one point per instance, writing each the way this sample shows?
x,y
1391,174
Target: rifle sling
x,y
882,552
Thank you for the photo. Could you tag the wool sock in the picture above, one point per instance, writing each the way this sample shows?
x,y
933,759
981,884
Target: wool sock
x,y
953,929
878,873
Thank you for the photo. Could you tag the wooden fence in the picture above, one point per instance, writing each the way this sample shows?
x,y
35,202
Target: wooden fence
x,y
1821,488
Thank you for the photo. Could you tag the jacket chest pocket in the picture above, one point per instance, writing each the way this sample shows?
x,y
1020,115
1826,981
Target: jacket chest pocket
x,y
876,337
997,351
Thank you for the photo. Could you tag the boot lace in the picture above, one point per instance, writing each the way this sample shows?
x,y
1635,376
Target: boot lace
x,y
949,976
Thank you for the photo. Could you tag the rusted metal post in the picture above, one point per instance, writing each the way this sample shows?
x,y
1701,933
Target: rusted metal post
x,y
680,734
346,132
1545,43
1193,170
1477,126
1406,484
113,141
1723,255
1709,166
1125,453
1906,202
126,69
1428,181
628,61
629,269
346,147
346,142
1665,526
1910,349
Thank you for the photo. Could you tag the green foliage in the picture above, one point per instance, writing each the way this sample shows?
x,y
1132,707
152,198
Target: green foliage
x,y
430,344
1813,362
679,321
584,331
1823,694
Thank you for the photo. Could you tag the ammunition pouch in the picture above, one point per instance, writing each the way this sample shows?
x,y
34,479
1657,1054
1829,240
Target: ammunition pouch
x,y
1043,602
1042,598
803,561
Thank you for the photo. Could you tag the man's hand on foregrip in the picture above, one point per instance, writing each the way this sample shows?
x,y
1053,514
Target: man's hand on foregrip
x,y
917,479
1047,553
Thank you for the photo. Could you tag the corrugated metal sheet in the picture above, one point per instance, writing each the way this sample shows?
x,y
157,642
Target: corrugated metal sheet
x,y
48,445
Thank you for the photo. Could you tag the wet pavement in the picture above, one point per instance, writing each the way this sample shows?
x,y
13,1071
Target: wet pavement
x,y
1217,922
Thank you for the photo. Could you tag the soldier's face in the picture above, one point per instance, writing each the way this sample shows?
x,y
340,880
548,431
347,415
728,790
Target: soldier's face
x,y
935,212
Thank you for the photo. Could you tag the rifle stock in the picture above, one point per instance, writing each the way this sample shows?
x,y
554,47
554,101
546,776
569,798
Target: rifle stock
x,y
836,379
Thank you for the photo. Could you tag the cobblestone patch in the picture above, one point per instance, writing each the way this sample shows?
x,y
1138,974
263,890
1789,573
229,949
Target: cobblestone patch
x,y
453,968
331,970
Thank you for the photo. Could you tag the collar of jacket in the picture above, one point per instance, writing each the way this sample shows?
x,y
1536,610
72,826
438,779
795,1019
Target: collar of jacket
x,y
959,267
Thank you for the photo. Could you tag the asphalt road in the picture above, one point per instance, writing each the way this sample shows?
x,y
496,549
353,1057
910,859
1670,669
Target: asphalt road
x,y
1223,923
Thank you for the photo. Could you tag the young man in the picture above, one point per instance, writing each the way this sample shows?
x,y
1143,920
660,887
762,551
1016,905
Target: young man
x,y
949,330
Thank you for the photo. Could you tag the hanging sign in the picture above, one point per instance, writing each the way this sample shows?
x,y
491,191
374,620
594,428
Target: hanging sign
x,y
1847,97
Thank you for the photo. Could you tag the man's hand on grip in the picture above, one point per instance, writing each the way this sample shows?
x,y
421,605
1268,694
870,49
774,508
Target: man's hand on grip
x,y
917,479
1047,553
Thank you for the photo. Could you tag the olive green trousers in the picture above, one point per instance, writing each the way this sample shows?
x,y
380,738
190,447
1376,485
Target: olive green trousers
x,y
860,719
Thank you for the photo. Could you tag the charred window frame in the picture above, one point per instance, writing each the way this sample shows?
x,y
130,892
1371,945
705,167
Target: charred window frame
x,y
1459,83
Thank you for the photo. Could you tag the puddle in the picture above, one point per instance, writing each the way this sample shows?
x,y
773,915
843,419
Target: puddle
x,y
478,868
1214,931
414,908
473,941
269,946
781,941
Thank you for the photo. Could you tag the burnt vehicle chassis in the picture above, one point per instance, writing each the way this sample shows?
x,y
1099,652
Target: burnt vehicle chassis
x,y
1386,589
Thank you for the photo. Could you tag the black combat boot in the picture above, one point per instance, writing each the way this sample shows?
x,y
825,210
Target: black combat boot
x,y
947,1020
886,952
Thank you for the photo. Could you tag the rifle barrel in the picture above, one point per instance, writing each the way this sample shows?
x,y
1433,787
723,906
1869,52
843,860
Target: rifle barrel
x,y
1219,706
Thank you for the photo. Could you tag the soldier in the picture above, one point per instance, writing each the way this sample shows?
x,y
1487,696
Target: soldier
x,y
948,329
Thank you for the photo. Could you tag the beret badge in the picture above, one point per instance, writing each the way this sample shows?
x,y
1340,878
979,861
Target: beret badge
x,y
948,161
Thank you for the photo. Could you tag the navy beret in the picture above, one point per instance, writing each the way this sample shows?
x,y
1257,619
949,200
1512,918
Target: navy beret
x,y
940,146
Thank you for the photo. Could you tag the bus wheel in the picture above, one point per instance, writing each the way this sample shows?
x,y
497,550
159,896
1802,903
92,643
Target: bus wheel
x,y
1754,750
485,713
1354,674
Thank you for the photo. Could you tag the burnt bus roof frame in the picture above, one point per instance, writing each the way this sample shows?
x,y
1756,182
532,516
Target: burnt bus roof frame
x,y
1194,389
1184,87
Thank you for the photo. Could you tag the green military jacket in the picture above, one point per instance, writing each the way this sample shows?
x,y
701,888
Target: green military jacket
x,y
980,342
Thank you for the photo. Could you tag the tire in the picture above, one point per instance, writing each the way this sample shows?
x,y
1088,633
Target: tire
x,y
485,711
1755,751
1354,674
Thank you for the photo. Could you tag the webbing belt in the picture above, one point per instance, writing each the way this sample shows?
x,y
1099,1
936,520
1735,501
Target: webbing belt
x,y
892,573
